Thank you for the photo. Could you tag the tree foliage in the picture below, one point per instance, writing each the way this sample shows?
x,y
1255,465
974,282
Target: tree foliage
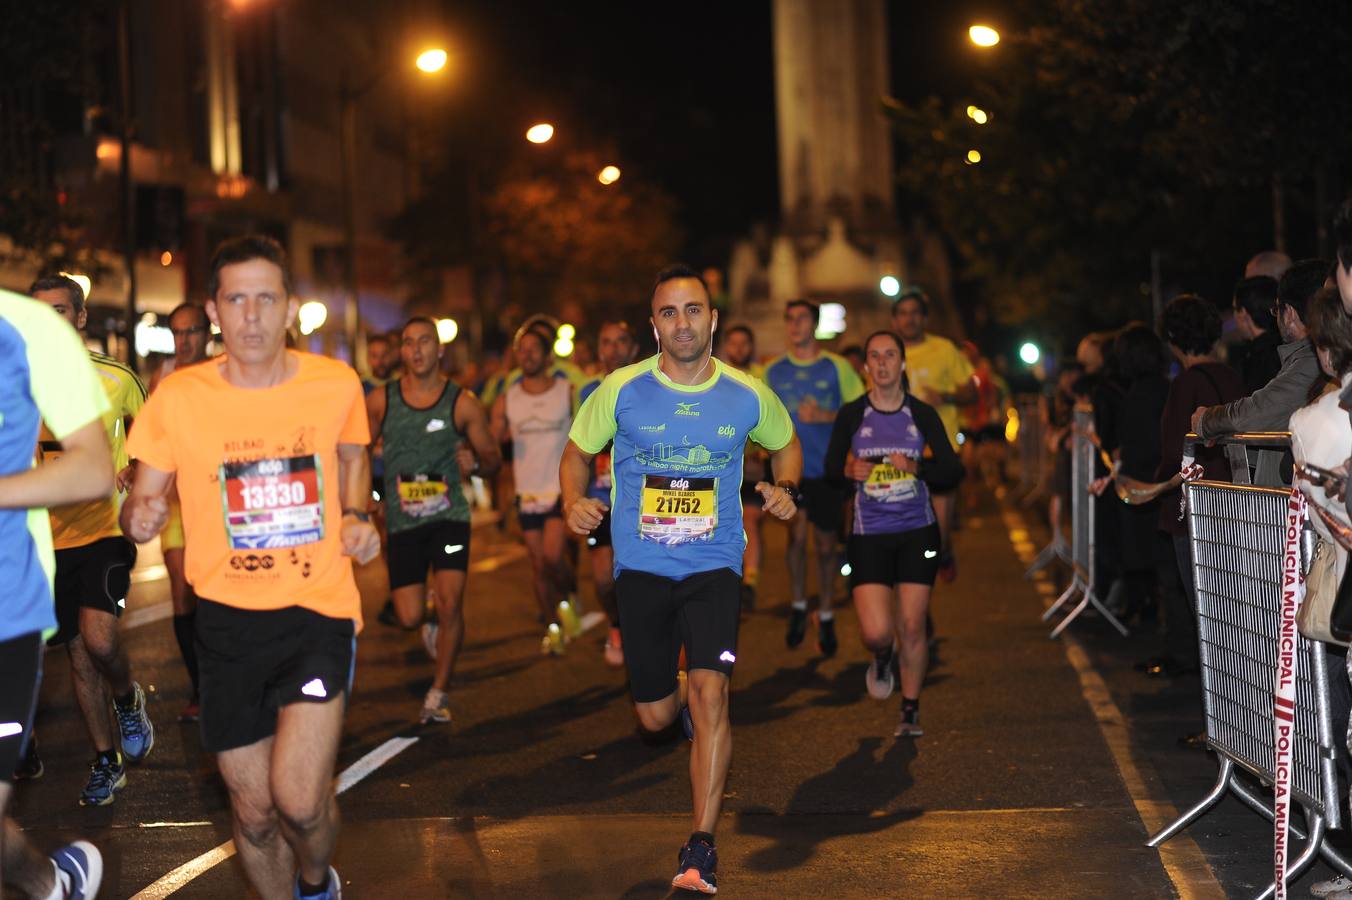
x,y
1122,127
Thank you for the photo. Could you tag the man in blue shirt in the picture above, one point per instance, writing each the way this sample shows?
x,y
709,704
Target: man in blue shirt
x,y
679,423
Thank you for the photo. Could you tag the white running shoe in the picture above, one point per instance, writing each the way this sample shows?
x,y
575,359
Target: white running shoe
x,y
879,679
1338,884
435,708
613,650
429,639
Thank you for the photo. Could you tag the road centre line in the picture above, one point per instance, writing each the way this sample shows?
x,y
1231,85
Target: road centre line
x,y
348,778
1183,860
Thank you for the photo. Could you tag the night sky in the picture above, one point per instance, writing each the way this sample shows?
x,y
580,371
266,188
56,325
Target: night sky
x,y
683,94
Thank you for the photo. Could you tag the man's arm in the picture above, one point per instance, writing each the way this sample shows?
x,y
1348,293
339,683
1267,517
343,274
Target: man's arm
x,y
1268,409
84,471
472,422
786,466
375,413
360,539
582,513
146,509
497,424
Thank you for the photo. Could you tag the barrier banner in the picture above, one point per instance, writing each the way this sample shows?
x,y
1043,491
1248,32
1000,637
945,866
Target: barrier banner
x,y
1284,687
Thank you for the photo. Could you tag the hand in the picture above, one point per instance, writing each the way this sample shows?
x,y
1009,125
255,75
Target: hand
x,y
126,477
360,540
466,460
585,515
1099,485
778,503
904,463
857,469
145,517
1196,422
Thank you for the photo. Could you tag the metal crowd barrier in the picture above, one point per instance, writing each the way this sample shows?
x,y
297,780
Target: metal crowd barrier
x,y
1083,451
1237,535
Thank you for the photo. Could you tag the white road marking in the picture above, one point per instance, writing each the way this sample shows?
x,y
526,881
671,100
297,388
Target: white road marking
x,y
191,869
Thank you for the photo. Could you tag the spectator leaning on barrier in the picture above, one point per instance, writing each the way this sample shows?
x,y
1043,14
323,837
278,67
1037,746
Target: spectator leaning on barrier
x,y
1192,328
1259,361
1320,436
1270,408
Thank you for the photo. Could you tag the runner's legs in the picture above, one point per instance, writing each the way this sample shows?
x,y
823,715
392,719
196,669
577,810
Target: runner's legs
x,y
912,607
21,865
795,554
410,604
542,583
712,751
873,605
603,577
828,561
450,606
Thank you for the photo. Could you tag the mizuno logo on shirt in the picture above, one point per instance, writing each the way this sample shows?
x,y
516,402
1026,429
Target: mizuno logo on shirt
x,y
687,409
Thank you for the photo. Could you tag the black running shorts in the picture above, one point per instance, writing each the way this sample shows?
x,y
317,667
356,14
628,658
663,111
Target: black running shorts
x,y
658,615
436,545
95,576
254,662
21,674
536,521
902,557
601,536
824,504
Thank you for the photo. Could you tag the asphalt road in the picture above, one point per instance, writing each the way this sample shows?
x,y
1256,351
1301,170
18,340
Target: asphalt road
x,y
1024,784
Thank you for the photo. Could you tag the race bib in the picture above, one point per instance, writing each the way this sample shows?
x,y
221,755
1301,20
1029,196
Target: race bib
x,y
424,494
272,503
678,510
888,484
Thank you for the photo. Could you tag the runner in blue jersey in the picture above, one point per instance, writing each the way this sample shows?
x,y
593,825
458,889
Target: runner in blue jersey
x,y
895,450
45,376
813,385
679,422
615,348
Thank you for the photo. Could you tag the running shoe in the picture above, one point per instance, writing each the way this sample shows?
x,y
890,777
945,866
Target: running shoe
x,y
134,727
687,724
552,643
826,637
430,630
1334,885
81,866
30,766
435,708
696,869
613,651
192,711
797,627
908,724
878,680
332,891
106,778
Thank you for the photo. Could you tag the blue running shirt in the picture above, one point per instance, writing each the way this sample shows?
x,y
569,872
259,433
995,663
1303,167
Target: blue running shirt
x,y
676,463
45,376
831,382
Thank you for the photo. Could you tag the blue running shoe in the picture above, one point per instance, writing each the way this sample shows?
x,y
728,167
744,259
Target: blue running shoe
x,y
687,724
134,727
82,865
695,872
332,891
106,778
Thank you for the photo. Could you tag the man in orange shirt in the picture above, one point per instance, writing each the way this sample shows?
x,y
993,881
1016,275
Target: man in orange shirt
x,y
268,452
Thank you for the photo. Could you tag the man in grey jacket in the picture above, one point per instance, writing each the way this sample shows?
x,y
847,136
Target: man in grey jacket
x,y
1269,408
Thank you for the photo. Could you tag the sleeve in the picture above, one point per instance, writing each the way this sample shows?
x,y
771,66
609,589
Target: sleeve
x,y
594,426
148,441
851,387
356,428
942,471
774,429
65,388
1268,409
842,433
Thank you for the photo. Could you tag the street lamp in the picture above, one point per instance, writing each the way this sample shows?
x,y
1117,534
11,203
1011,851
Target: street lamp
x,y
312,316
973,157
983,35
430,61
447,329
540,133
978,115
608,175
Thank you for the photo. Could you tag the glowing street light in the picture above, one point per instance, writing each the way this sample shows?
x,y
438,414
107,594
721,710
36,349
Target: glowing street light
x,y
447,329
563,347
567,331
1030,353
82,280
973,157
978,115
312,315
608,175
540,134
983,35
431,61
890,285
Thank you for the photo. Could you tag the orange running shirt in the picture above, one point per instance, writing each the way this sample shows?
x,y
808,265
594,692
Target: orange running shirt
x,y
257,477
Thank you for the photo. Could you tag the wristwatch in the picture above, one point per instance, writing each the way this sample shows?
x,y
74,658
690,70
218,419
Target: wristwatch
x,y
791,488
360,514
